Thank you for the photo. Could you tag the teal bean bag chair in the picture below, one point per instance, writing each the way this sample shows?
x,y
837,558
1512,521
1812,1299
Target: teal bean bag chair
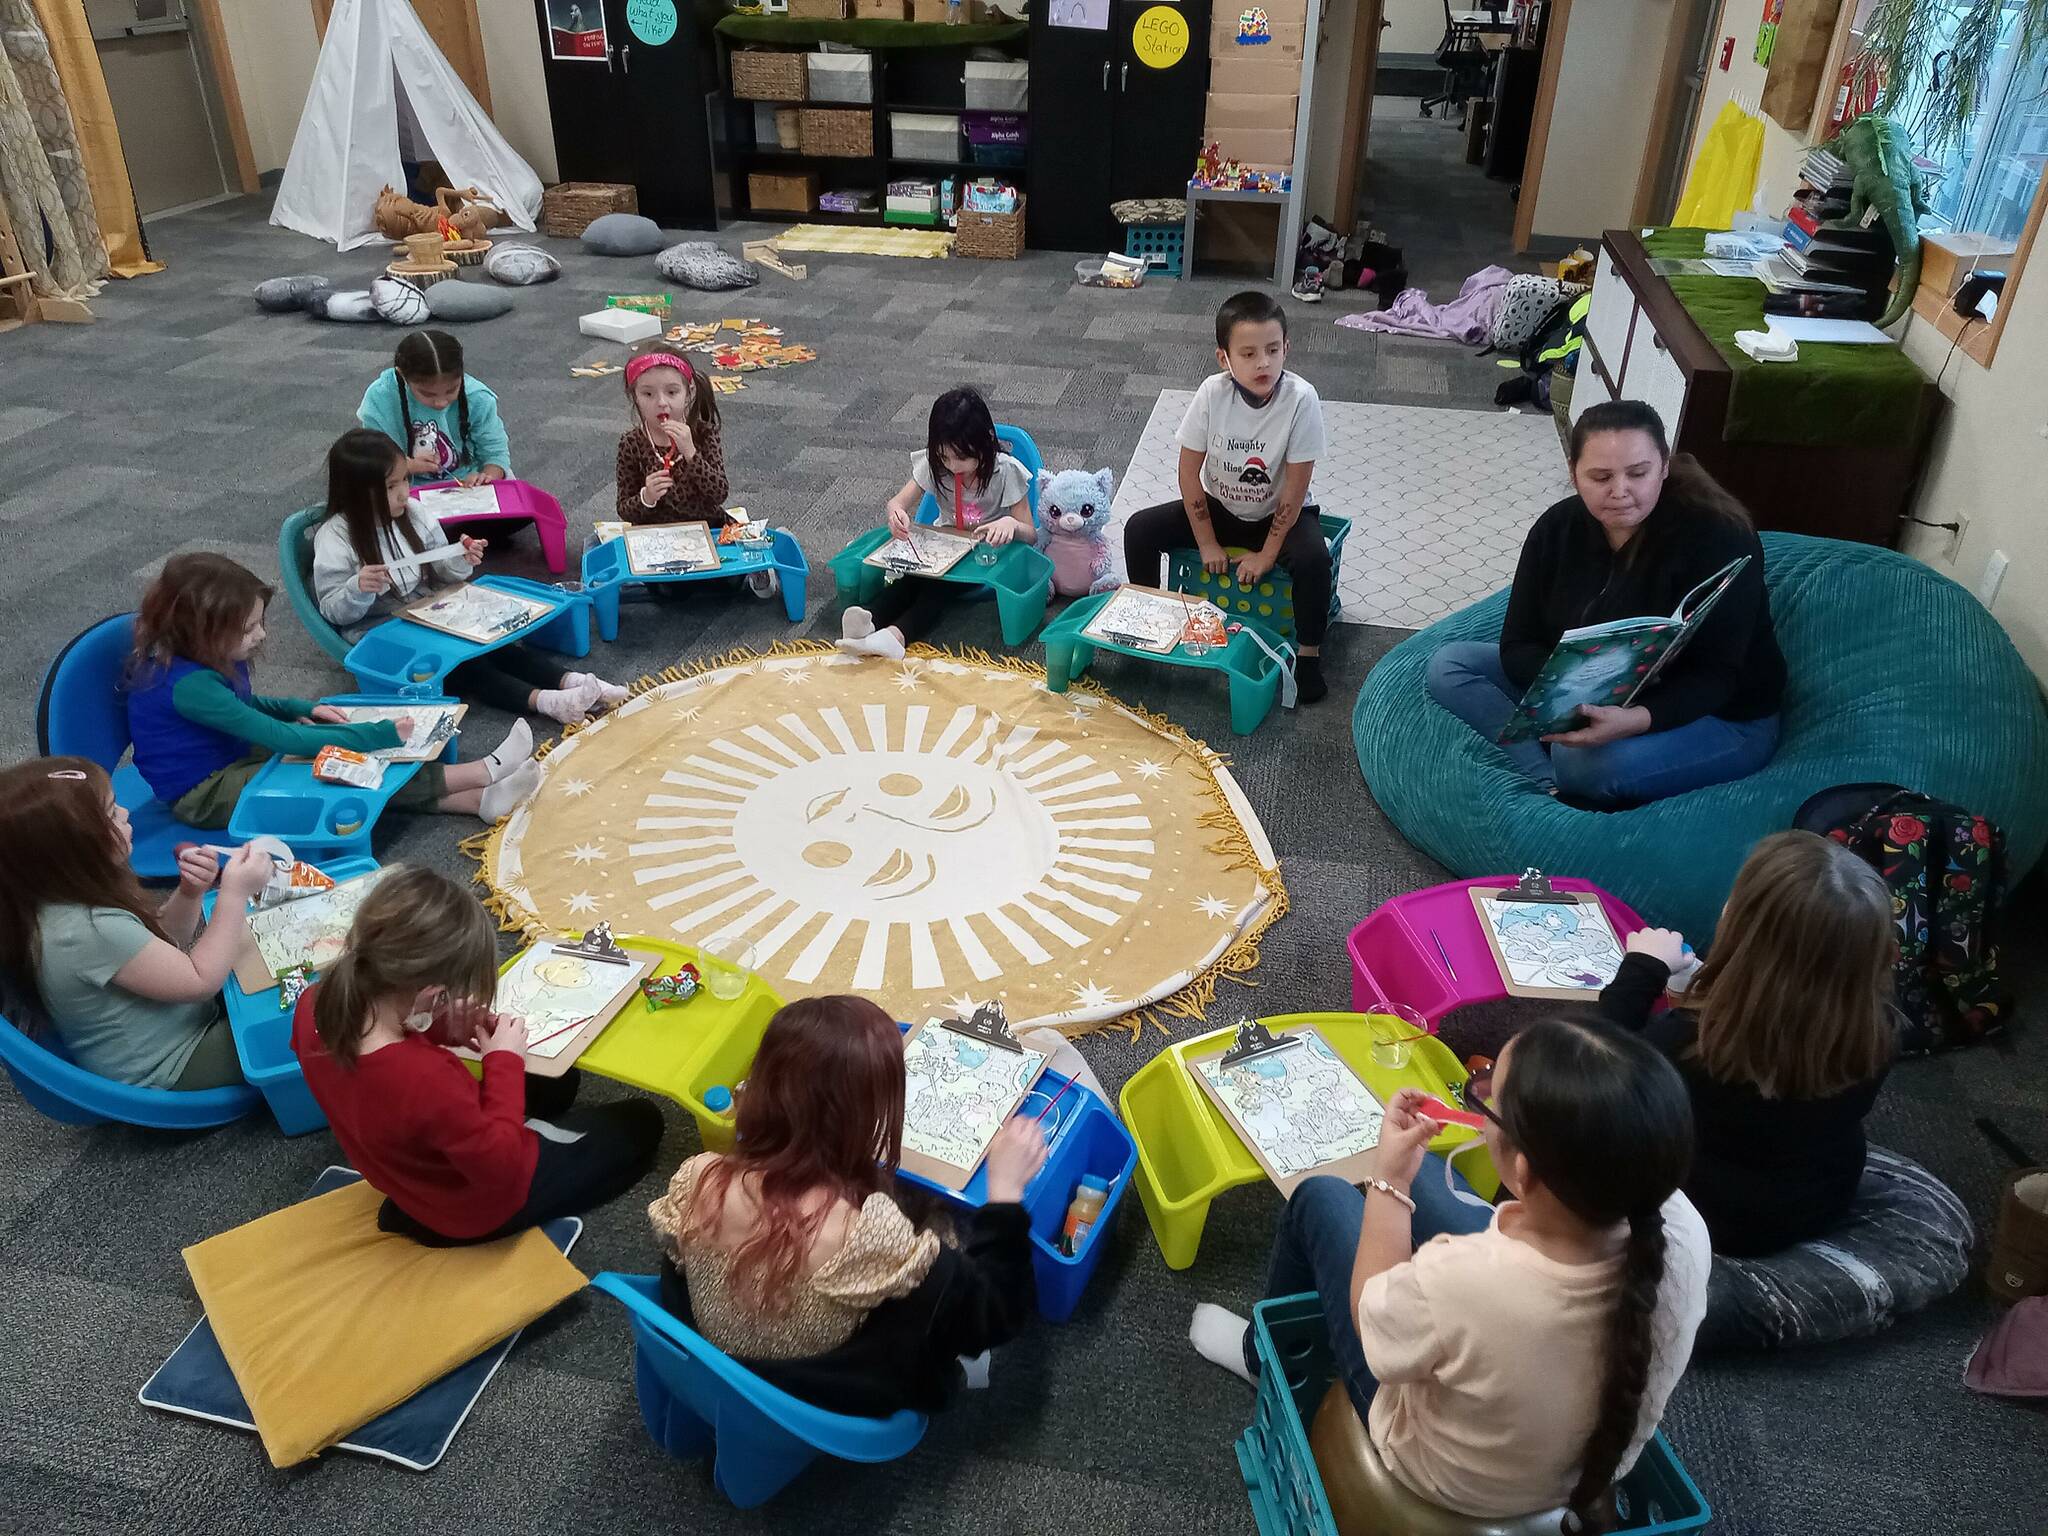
x,y
1896,674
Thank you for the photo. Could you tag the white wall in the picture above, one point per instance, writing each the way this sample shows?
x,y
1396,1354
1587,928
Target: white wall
x,y
519,89
1606,91
1418,26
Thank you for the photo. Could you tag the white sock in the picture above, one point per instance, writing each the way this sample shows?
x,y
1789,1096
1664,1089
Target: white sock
x,y
567,705
975,1372
763,583
885,643
501,798
611,695
515,749
1218,1336
856,624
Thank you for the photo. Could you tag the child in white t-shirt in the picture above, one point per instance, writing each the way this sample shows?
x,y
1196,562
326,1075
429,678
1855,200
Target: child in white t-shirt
x,y
1248,446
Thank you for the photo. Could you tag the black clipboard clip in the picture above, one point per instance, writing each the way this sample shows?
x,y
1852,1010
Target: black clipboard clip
x,y
599,945
1254,1040
1534,886
989,1025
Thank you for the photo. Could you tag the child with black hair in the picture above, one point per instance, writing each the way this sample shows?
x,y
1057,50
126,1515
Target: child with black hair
x,y
444,421
363,572
1248,446
978,488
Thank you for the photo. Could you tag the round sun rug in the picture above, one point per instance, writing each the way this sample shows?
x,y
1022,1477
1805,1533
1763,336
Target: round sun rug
x,y
933,834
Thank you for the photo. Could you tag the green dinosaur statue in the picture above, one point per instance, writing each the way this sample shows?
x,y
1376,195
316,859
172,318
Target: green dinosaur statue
x,y
1880,157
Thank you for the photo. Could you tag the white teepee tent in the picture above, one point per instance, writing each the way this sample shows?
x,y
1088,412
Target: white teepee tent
x,y
346,151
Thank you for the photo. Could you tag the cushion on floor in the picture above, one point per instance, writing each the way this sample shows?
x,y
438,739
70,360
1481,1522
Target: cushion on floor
x,y
622,234
457,301
397,300
1897,674
1905,1243
700,264
282,295
521,265
328,1322
352,305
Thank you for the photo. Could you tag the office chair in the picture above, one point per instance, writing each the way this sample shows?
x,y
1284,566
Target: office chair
x,y
1463,62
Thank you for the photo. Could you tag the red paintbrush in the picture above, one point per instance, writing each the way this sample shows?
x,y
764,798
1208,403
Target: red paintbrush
x,y
1438,1110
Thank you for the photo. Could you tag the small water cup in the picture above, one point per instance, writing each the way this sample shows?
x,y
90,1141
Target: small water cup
x,y
727,962
1394,1029
986,554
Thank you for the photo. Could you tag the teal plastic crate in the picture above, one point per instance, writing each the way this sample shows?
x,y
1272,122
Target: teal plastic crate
x,y
1160,244
1296,1367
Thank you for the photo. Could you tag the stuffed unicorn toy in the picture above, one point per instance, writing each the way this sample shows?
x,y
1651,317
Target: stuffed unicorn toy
x,y
1073,519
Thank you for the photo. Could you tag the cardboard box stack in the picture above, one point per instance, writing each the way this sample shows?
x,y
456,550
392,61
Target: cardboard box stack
x,y
1255,80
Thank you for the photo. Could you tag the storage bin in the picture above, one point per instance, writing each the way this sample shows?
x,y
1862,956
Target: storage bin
x,y
782,191
882,10
764,122
990,236
995,138
998,85
842,77
820,10
767,74
789,130
1159,244
569,207
826,131
924,136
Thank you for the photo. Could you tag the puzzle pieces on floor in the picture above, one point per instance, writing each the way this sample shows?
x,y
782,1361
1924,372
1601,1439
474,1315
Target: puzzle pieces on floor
x,y
740,344
727,386
597,370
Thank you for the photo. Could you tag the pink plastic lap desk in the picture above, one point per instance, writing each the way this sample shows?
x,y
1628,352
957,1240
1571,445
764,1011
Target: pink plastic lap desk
x,y
1394,957
519,502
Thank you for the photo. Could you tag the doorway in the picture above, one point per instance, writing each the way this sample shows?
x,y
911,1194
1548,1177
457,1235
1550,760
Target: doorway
x,y
173,123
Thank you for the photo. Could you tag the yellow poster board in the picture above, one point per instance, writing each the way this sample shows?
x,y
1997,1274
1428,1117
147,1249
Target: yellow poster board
x,y
1160,37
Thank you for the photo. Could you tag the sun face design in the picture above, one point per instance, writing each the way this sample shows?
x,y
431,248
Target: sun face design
x,y
985,849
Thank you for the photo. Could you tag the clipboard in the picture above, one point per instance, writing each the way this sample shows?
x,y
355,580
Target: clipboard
x,y
1254,1043
1535,888
251,971
941,547
989,1029
697,552
597,947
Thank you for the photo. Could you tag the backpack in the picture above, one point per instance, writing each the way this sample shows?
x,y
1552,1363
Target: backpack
x,y
1946,871
1525,305
1552,347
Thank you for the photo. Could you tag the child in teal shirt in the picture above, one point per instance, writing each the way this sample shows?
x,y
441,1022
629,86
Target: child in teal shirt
x,y
445,422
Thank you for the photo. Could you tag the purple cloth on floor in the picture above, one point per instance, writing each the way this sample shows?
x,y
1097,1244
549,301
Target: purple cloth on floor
x,y
1467,318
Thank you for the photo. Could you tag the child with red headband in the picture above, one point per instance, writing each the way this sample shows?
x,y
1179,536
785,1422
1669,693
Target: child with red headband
x,y
671,464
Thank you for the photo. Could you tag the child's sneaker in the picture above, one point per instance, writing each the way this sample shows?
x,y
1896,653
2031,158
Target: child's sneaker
x,y
1309,286
763,583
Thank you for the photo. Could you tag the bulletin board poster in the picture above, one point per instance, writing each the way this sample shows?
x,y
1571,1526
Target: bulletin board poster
x,y
1080,15
1159,38
1767,34
576,31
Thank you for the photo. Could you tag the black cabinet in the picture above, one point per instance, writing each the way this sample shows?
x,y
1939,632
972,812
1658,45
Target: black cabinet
x,y
1107,125
631,106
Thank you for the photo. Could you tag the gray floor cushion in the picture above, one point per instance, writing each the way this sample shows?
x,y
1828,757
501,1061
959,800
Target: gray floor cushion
x,y
521,265
281,295
700,264
622,234
456,300
1905,1243
396,300
352,305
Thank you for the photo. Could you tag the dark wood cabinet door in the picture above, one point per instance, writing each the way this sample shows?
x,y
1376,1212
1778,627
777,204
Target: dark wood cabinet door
x,y
1073,94
1158,130
586,96
667,118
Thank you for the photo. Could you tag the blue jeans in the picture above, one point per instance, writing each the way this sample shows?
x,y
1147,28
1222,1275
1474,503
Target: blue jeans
x,y
1465,677
1317,1246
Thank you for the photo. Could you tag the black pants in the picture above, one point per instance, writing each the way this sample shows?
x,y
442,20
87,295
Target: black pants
x,y
913,604
1153,532
617,1146
503,678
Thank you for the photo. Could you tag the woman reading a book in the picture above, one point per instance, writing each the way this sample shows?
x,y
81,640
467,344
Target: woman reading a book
x,y
1649,539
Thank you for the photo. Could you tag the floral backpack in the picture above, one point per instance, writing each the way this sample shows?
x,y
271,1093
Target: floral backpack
x,y
1946,870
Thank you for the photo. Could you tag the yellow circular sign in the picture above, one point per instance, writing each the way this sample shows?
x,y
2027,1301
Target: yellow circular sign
x,y
1160,39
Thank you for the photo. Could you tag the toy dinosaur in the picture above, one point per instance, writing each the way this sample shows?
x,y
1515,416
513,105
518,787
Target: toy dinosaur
x,y
1880,157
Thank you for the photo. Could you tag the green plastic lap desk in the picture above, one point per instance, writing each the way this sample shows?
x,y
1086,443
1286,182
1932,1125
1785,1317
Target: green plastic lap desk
x,y
1271,600
399,656
1254,675
606,570
1896,675
1021,579
1188,1154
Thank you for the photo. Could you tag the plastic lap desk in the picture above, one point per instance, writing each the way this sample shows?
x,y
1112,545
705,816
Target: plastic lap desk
x,y
1188,1154
1394,959
1271,601
1296,1367
198,1382
317,819
606,570
400,657
1254,675
263,1035
518,502
1020,577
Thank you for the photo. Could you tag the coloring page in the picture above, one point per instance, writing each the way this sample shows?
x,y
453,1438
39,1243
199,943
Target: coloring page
x,y
669,548
461,501
554,992
433,727
312,930
958,1092
1551,944
1303,1107
925,550
1141,617
477,614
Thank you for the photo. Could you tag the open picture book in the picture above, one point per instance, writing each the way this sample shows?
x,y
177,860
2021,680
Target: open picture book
x,y
1611,663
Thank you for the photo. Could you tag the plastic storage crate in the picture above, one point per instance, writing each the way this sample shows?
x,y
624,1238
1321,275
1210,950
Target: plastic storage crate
x,y
928,136
1296,1367
1162,245
1272,600
842,77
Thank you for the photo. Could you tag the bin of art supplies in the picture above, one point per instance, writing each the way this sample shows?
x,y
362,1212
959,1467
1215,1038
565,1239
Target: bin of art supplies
x,y
924,136
1114,270
765,74
782,191
842,77
995,138
999,85
990,236
828,131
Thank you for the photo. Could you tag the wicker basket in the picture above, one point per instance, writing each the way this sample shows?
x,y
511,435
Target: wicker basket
x,y
789,128
991,236
820,10
569,207
782,191
767,74
828,132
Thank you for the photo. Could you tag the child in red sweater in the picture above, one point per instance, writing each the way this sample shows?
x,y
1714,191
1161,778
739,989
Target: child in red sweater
x,y
454,1157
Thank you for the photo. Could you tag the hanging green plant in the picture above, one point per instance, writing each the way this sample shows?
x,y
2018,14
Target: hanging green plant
x,y
1908,50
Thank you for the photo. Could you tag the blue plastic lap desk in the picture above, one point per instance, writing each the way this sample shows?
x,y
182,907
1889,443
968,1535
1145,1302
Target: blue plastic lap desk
x,y
606,570
398,655
196,1380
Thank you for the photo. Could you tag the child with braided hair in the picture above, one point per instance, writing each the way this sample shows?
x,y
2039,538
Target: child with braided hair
x,y
445,422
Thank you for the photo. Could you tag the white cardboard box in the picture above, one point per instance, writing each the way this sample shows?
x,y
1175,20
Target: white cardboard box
x,y
620,325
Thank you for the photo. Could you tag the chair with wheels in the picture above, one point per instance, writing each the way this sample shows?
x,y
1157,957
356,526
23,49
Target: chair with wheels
x,y
83,712
697,1402
1462,59
295,560
56,1086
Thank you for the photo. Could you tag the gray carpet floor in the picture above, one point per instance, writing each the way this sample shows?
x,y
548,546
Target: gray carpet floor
x,y
187,420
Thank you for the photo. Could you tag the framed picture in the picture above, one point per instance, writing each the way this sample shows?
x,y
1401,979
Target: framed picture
x,y
576,31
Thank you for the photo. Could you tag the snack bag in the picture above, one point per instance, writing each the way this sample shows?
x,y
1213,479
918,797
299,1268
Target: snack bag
x,y
338,765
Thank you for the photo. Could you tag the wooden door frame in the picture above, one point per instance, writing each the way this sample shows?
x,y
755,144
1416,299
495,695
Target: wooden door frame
x,y
213,56
1539,120
1362,80
1674,65
472,25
